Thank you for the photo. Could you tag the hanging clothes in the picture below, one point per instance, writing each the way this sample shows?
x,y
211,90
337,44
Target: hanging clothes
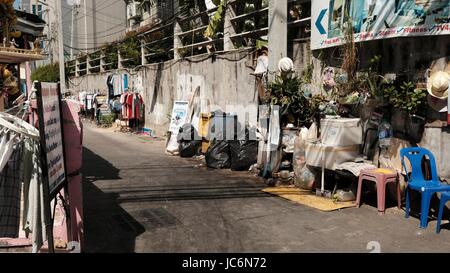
x,y
138,106
7,144
130,108
125,83
23,166
118,90
82,99
89,101
123,101
34,219
10,190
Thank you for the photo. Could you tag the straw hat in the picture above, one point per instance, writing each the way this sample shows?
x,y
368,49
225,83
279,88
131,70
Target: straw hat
x,y
438,83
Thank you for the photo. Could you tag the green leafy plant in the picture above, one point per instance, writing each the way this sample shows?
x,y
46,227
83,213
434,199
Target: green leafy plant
x,y
295,107
407,98
111,56
307,74
130,50
46,73
216,21
107,120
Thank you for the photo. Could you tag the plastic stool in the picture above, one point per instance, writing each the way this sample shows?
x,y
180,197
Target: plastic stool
x,y
381,177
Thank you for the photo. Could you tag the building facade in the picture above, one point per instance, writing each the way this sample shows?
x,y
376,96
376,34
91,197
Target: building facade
x,y
142,13
87,24
96,23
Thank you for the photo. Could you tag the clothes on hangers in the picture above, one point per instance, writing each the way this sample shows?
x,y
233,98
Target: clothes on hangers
x,y
89,101
123,101
138,104
8,141
82,99
10,190
23,165
34,217
134,103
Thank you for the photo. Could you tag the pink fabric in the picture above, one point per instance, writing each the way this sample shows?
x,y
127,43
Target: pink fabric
x,y
73,140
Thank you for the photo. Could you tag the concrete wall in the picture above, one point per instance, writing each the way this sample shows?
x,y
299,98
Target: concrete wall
x,y
223,81
437,140
410,57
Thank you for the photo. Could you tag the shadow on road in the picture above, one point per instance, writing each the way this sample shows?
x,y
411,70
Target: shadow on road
x,y
108,228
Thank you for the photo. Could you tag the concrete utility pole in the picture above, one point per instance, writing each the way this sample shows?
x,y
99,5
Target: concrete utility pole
x,y
62,72
85,26
278,12
71,32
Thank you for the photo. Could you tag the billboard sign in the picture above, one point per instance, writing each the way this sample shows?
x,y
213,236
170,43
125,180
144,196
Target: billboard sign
x,y
377,19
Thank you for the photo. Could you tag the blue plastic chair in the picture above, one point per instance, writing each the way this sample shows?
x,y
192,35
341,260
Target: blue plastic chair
x,y
445,197
417,182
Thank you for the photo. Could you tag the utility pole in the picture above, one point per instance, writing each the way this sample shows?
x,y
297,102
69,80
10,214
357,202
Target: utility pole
x,y
71,33
75,7
62,72
277,33
85,26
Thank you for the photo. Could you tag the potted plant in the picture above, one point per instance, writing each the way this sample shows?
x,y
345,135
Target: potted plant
x,y
295,107
407,103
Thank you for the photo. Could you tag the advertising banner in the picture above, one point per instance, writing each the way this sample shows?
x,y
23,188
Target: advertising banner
x,y
377,19
179,116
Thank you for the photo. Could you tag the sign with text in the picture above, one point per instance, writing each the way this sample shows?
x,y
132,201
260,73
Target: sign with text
x,y
179,116
377,19
50,126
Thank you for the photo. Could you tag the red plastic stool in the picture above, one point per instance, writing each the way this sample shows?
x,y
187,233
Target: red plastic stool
x,y
381,177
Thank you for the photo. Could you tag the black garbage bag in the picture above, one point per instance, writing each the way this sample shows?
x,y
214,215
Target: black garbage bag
x,y
243,154
218,155
190,143
189,148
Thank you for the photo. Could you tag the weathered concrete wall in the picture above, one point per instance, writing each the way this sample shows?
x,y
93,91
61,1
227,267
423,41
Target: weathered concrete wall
x,y
224,80
410,57
437,140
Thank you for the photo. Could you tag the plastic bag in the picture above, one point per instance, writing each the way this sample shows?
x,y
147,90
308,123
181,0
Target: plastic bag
x,y
189,142
304,178
345,195
187,133
218,155
312,133
188,149
243,154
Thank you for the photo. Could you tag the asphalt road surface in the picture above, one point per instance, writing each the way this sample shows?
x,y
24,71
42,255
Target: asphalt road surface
x,y
137,199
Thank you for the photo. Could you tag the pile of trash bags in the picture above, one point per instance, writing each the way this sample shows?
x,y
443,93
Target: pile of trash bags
x,y
239,155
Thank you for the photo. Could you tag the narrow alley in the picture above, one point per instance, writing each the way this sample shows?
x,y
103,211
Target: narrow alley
x,y
137,199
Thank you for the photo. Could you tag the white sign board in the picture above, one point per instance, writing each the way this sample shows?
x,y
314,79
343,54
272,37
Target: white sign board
x,y
179,116
50,126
